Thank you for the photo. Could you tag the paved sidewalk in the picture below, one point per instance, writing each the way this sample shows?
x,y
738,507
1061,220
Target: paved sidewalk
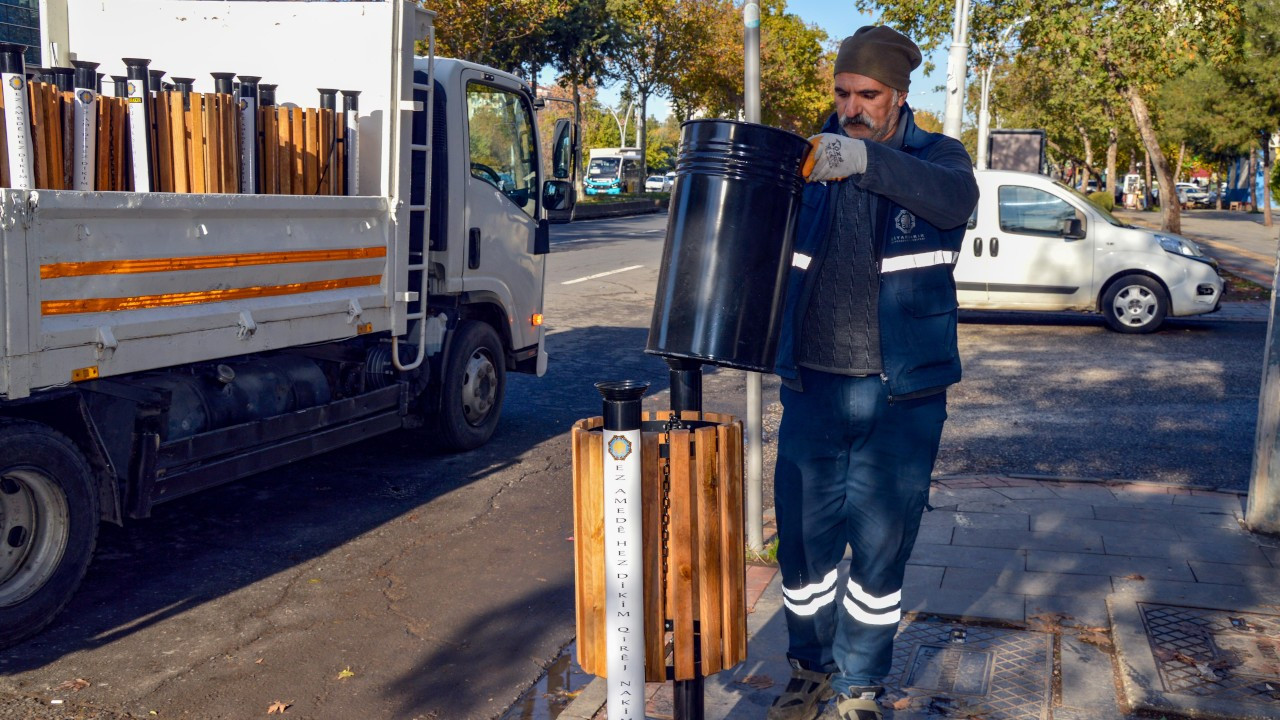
x,y
1239,240
1028,597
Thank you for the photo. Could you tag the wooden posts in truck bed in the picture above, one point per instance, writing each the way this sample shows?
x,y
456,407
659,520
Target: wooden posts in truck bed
x,y
165,138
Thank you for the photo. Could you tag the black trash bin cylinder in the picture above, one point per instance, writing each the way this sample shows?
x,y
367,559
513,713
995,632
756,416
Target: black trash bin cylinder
x,y
728,248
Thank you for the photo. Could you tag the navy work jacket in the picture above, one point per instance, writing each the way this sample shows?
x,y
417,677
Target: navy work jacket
x,y
924,194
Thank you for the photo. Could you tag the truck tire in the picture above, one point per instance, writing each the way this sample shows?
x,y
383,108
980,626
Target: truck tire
x,y
472,387
1135,304
48,525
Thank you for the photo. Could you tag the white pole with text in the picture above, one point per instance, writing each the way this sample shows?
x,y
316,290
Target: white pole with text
x,y
623,546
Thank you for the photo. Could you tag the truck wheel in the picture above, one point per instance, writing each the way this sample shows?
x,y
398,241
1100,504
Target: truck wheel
x,y
1135,304
472,388
48,526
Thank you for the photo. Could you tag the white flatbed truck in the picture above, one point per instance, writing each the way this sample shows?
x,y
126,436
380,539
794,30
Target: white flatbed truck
x,y
156,344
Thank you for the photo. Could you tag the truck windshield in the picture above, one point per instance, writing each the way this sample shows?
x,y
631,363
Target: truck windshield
x,y
603,168
1106,215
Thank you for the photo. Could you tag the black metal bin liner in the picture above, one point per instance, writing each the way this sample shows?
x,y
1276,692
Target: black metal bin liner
x,y
728,248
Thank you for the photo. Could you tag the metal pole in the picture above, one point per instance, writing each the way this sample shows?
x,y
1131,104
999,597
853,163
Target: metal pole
x,y
140,122
688,699
755,423
624,585
85,149
984,121
957,70
17,118
1262,512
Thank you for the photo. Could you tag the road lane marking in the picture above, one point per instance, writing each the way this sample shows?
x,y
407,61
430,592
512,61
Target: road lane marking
x,y
600,275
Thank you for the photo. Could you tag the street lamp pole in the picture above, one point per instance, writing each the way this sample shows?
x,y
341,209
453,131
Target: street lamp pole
x,y
957,70
984,119
755,388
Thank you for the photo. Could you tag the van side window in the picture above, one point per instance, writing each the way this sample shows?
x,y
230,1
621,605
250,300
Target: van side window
x,y
500,130
1030,211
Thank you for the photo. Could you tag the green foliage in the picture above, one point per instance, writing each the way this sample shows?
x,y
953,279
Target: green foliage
x,y
1103,199
509,38
795,70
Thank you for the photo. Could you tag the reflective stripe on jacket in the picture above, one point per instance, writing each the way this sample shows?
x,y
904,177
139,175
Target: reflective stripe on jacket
x,y
925,193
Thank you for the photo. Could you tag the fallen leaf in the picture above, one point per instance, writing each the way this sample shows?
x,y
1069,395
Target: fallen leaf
x,y
75,685
1206,672
1184,658
759,682
278,707
1134,576
908,702
346,673
258,661
1095,639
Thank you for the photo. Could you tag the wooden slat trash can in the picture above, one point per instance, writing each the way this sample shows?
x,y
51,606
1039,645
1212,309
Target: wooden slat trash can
x,y
694,562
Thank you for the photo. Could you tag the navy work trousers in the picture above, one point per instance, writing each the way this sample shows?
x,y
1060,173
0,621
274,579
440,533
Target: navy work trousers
x,y
853,471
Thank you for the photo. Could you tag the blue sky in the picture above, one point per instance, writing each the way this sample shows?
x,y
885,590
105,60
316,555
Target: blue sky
x,y
839,20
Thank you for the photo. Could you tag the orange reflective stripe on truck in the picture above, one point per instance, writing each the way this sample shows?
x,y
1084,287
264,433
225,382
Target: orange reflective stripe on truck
x,y
204,262
141,302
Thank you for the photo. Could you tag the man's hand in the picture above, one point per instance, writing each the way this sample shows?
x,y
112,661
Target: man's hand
x,y
834,157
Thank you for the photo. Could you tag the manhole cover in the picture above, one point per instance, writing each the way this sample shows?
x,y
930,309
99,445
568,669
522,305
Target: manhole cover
x,y
958,669
1215,653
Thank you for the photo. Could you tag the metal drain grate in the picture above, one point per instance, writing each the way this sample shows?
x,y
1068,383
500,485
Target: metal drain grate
x,y
957,669
1221,654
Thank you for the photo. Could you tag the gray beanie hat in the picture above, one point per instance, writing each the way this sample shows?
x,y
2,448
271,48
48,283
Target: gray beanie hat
x,y
881,53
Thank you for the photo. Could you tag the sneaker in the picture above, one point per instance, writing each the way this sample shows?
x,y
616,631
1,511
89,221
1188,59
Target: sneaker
x,y
861,706
800,700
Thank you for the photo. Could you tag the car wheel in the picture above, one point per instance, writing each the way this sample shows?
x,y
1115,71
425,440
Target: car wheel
x,y
471,392
48,526
1135,304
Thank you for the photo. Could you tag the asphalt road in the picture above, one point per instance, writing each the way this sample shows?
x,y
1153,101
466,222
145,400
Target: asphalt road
x,y
386,581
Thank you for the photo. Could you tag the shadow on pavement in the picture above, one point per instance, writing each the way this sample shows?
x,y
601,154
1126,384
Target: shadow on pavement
x,y
211,544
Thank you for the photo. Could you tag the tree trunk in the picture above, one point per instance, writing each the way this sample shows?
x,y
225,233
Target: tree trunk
x,y
578,170
1113,150
1088,159
1266,186
1253,178
1182,151
1171,217
644,138
1148,198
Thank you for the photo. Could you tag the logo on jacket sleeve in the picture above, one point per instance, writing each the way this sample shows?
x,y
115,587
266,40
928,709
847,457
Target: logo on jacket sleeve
x,y
905,222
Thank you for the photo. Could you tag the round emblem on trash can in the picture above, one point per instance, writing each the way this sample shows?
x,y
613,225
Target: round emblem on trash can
x,y
905,222
85,96
15,82
619,448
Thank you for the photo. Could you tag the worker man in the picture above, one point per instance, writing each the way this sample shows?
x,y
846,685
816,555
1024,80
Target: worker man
x,y
866,353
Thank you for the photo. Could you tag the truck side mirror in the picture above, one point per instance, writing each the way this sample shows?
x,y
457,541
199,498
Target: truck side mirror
x,y
1072,229
557,195
562,142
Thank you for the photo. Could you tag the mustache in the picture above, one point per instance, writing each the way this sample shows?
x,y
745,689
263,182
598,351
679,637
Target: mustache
x,y
855,120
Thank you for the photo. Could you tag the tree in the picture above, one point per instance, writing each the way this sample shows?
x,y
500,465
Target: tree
x,y
577,43
506,34
1135,46
795,70
653,37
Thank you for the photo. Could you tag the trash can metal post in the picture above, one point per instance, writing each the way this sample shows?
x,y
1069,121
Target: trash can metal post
x,y
624,551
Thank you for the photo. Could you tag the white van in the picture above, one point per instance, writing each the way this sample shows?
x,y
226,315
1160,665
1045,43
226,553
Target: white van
x,y
1035,244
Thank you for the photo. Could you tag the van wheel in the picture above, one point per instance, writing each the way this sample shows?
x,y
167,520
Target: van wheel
x,y
1135,304
471,391
48,526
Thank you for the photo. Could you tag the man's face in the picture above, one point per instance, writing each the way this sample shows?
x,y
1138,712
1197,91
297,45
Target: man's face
x,y
867,108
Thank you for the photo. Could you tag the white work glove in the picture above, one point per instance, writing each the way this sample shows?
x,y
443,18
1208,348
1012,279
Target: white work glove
x,y
834,157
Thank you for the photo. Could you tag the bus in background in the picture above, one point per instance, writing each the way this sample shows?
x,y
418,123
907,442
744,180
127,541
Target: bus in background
x,y
612,171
